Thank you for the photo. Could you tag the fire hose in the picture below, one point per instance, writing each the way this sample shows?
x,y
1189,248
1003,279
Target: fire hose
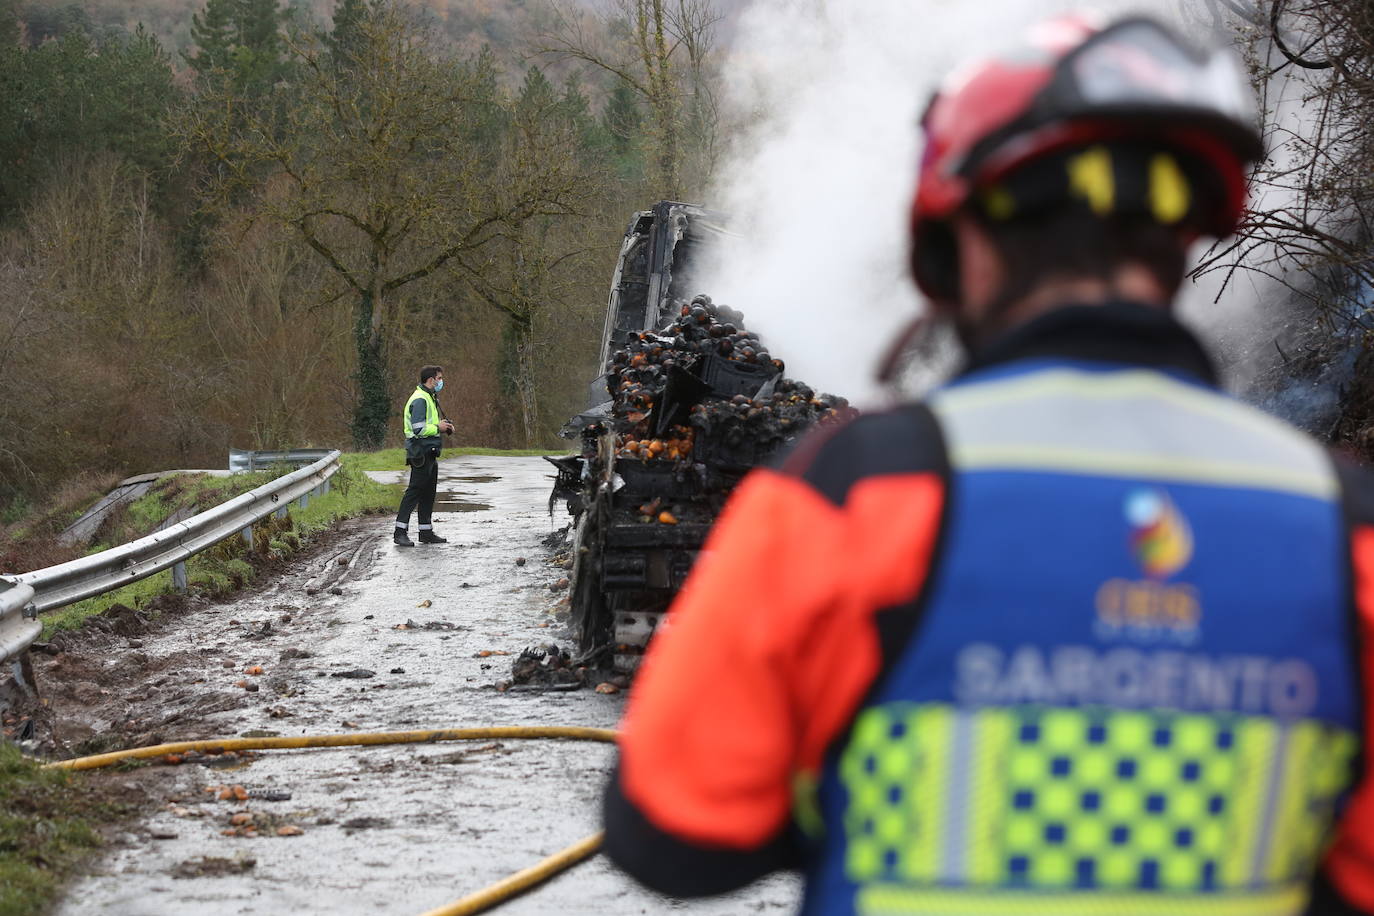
x,y
479,902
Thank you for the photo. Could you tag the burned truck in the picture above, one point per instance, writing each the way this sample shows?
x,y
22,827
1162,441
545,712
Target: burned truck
x,y
689,401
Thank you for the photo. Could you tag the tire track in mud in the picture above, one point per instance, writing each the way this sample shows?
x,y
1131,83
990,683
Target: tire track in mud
x,y
386,830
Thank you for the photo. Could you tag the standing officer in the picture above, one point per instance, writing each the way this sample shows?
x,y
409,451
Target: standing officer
x,y
1078,635
423,421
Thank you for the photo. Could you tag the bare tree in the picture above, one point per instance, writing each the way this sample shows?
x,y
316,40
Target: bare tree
x,y
1313,65
662,50
383,167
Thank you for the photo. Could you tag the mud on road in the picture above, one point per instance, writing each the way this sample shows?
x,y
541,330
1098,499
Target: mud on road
x,y
356,635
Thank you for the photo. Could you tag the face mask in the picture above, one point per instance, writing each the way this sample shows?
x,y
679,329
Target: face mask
x,y
440,386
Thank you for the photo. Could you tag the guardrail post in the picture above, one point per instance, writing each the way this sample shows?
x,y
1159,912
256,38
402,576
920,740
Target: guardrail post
x,y
280,513
22,667
179,576
324,487
248,536
304,500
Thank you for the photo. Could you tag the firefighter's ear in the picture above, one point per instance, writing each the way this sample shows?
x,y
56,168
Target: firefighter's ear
x,y
979,266
935,265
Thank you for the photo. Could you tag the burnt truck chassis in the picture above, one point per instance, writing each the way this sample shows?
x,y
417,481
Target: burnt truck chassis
x,y
625,572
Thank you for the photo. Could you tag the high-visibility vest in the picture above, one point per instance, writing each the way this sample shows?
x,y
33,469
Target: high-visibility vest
x,y
1131,689
431,415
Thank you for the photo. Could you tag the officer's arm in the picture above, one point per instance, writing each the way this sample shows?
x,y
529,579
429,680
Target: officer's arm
x,y
766,654
1346,885
419,420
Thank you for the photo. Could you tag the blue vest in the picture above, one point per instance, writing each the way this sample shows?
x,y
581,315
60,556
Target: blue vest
x,y
1132,690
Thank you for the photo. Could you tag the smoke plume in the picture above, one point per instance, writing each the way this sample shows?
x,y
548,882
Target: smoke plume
x,y
826,96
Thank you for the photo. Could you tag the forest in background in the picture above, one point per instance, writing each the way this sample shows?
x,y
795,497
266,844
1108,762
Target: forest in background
x,y
250,225
246,222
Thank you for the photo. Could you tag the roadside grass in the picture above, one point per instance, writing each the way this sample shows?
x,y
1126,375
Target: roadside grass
x,y
394,459
231,564
46,819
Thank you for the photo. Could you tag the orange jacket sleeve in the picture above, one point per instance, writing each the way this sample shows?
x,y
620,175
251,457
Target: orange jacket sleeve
x,y
1350,861
768,650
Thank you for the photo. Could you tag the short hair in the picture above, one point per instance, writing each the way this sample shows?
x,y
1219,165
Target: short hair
x,y
428,372
1074,243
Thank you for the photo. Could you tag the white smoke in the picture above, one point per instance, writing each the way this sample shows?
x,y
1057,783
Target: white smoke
x,y
826,96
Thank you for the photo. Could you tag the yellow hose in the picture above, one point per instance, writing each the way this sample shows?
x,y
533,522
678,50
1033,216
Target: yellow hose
x,y
521,881
480,902
344,740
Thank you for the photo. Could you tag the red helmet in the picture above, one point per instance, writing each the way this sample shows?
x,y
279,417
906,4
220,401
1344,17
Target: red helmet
x,y
1073,84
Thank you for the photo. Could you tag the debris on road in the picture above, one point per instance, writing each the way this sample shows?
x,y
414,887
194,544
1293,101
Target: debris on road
x,y
427,625
425,603
353,825
546,666
354,673
607,687
212,867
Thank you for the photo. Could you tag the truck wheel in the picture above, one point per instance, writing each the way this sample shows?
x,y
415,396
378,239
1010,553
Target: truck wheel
x,y
590,614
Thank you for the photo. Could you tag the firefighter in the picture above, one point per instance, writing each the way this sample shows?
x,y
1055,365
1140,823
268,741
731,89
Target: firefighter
x,y
423,422
1079,634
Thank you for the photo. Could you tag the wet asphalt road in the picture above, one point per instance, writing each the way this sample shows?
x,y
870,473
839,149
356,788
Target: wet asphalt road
x,y
389,830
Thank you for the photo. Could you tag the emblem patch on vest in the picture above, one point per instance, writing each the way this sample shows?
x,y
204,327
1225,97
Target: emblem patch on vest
x,y
1161,538
1151,609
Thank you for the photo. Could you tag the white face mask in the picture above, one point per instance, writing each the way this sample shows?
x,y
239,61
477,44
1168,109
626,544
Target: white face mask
x,y
439,386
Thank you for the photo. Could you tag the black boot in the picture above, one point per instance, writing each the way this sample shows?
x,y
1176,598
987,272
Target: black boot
x,y
401,539
429,537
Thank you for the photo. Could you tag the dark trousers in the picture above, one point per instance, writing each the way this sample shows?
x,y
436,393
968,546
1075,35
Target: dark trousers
x,y
424,482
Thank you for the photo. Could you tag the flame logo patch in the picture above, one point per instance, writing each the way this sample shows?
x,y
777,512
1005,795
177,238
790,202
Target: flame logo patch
x,y
1161,539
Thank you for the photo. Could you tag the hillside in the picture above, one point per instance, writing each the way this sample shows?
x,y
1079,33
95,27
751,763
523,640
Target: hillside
x,y
511,27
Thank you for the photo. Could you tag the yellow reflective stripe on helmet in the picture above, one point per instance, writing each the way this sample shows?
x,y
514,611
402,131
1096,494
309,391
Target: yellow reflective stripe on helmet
x,y
1091,178
897,900
1170,195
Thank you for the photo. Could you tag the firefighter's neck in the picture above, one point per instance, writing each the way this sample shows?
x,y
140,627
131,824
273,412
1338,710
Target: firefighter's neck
x,y
1128,283
985,309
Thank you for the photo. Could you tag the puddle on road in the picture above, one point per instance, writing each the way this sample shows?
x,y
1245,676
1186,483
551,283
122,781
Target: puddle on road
x,y
458,501
457,504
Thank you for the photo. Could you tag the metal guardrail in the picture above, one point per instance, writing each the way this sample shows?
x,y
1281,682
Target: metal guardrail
x,y
241,460
24,596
